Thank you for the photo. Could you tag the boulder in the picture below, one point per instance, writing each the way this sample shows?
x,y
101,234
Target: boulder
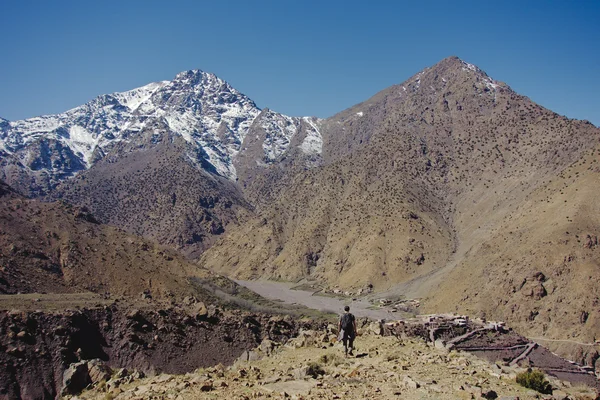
x,y
98,371
249,355
83,374
410,383
375,328
75,378
200,310
300,373
267,346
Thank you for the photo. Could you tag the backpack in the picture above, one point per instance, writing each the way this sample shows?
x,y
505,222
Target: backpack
x,y
346,322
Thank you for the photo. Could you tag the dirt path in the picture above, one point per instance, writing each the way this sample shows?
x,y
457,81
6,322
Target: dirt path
x,y
541,339
283,291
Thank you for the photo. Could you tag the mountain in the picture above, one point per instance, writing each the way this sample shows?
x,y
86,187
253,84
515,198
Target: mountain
x,y
199,107
449,187
161,160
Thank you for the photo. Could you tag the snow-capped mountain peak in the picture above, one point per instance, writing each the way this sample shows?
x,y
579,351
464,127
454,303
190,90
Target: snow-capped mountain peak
x,y
203,109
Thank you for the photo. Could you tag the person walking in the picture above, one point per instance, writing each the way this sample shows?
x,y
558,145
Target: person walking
x,y
347,329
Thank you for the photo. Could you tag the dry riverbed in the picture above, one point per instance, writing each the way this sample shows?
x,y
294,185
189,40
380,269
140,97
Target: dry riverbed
x,y
283,291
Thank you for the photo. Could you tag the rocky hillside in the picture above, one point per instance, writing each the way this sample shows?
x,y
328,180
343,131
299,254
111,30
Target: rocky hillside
x,y
58,248
538,268
449,184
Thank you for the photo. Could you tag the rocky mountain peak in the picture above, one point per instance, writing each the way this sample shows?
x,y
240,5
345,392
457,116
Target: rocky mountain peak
x,y
452,74
192,74
206,111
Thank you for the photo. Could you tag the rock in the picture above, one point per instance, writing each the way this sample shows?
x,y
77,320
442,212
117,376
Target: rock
x,y
304,339
273,379
583,317
267,346
249,355
560,395
539,291
113,384
300,373
332,329
243,357
98,371
375,328
254,356
200,310
490,395
75,378
122,373
213,311
24,336
410,383
207,386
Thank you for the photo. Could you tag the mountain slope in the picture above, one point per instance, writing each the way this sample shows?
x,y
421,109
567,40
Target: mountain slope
x,y
420,148
158,193
539,269
58,248
416,188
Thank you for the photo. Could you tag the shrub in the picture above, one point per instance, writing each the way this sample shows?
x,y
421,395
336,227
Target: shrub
x,y
534,379
314,370
331,358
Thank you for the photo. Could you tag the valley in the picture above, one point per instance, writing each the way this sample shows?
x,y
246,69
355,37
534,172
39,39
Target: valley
x,y
450,190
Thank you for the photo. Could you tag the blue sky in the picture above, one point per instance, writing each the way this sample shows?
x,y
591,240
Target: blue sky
x,y
296,57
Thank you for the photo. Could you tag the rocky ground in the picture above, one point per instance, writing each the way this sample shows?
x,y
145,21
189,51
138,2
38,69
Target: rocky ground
x,y
37,347
312,366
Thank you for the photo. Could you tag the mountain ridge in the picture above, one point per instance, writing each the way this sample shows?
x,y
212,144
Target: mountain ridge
x,y
202,108
416,196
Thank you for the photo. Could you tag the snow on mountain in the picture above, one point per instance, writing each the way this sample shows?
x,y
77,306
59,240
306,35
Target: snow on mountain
x,y
313,142
280,130
200,107
489,82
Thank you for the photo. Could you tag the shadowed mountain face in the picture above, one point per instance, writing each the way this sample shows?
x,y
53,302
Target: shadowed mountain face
x,y
58,248
158,193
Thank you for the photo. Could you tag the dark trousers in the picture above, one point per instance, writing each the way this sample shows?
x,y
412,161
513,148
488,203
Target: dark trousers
x,y
348,340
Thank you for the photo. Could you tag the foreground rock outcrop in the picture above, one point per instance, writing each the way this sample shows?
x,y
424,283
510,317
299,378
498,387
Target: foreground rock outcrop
x,y
36,348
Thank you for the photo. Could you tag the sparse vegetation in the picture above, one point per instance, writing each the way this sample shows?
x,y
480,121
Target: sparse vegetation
x,y
534,379
315,370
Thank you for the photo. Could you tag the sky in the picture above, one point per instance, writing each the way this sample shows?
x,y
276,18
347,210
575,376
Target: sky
x,y
295,57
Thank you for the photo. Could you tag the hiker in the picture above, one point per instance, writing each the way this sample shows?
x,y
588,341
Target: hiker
x,y
347,329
